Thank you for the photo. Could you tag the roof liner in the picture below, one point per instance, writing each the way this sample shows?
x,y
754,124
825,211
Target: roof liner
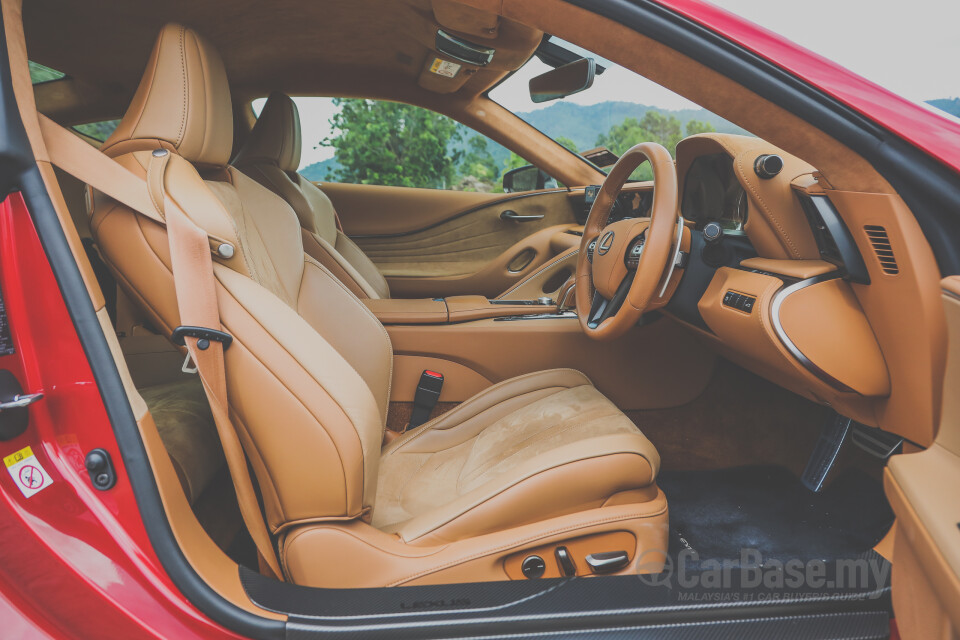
x,y
288,45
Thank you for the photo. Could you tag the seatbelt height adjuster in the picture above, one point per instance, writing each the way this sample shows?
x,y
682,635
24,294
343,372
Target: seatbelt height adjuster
x,y
203,336
426,397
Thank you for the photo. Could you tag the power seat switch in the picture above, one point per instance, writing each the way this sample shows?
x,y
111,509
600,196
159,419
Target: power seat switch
x,y
533,567
565,562
426,397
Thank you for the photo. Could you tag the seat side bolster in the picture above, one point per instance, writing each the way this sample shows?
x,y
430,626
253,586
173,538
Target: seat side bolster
x,y
575,477
490,405
326,254
362,264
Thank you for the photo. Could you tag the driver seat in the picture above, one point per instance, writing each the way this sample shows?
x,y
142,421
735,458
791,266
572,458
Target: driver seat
x,y
530,465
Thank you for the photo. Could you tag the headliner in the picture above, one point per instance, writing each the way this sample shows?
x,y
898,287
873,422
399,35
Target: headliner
x,y
361,47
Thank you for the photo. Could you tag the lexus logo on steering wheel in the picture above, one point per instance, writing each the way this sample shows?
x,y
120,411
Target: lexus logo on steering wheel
x,y
605,243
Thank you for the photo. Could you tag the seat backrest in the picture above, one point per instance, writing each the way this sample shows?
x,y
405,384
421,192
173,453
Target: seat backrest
x,y
271,155
309,369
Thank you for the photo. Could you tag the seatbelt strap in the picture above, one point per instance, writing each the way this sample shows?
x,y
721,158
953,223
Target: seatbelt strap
x,y
195,289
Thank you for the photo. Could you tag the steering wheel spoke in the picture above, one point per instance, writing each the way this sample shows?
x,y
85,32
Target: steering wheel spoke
x,y
601,308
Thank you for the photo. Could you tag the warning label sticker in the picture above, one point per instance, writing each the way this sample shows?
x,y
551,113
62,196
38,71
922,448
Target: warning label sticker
x,y
444,68
26,472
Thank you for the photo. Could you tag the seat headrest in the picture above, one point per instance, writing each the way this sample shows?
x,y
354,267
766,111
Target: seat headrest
x,y
275,138
183,100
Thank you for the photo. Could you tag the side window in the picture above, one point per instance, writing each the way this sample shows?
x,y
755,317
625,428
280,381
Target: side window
x,y
379,142
99,131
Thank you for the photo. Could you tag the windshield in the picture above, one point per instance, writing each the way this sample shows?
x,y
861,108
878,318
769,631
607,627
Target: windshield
x,y
620,110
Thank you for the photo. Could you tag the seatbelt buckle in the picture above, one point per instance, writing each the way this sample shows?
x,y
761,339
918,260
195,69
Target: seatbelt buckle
x,y
426,397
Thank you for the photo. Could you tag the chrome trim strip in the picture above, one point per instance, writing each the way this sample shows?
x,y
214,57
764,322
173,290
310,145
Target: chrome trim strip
x,y
538,316
775,305
673,260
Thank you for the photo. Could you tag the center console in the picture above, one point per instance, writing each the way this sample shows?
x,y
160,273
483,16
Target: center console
x,y
455,309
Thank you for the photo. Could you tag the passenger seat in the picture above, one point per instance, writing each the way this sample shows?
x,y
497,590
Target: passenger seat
x,y
271,155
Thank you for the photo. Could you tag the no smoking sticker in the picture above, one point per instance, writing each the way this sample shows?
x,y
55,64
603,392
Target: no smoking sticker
x,y
444,68
26,472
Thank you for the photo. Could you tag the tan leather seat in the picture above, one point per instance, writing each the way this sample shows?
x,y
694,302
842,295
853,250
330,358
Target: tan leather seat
x,y
271,155
532,463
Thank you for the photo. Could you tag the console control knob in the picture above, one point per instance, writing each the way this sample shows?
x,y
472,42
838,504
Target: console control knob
x,y
545,300
712,232
767,166
533,567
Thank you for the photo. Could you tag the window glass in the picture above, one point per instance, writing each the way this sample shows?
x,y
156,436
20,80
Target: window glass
x,y
394,144
619,110
40,74
98,130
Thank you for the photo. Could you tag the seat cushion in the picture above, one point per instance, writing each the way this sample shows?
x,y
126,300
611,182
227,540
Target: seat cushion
x,y
530,448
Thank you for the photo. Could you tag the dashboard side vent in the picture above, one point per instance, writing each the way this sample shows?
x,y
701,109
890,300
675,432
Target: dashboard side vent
x,y
882,247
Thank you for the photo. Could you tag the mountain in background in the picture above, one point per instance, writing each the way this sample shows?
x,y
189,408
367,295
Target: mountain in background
x,y
581,123
950,105
585,123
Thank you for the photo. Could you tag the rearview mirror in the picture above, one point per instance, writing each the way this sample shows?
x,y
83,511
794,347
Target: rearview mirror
x,y
526,178
563,81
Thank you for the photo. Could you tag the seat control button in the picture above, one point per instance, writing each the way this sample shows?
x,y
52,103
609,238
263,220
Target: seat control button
x,y
565,560
608,561
533,567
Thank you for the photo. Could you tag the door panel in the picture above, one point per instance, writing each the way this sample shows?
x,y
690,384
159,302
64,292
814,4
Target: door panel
x,y
439,243
923,491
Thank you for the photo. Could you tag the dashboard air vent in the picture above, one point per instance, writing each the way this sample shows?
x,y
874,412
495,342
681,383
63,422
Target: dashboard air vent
x,y
882,247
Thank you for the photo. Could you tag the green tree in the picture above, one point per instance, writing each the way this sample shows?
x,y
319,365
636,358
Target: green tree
x,y
390,143
567,143
695,126
478,161
514,162
653,127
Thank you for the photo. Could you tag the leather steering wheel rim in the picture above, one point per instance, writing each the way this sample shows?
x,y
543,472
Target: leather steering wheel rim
x,y
609,268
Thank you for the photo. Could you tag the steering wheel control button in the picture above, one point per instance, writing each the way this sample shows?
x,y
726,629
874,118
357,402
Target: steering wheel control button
x,y
533,567
608,561
768,166
565,560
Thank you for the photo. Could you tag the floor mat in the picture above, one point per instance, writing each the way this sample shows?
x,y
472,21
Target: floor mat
x,y
720,512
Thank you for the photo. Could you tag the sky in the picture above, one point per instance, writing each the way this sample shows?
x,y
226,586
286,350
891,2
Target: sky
x,y
911,48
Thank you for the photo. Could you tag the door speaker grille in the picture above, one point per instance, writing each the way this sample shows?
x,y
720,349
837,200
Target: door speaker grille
x,y
882,247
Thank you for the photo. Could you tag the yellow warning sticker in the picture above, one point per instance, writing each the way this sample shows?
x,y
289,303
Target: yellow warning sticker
x,y
444,68
14,458
26,471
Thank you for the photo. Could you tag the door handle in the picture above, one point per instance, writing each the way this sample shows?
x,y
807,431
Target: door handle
x,y
510,214
20,400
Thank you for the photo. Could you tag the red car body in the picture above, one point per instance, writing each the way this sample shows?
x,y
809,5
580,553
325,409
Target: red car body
x,y
76,562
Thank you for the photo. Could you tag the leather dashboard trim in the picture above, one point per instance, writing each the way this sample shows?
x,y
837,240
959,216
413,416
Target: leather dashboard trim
x,y
775,305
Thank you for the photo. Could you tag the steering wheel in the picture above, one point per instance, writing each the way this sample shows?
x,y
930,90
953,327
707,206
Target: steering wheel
x,y
625,268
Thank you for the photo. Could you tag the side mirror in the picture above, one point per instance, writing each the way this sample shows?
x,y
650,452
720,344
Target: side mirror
x,y
527,178
563,81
